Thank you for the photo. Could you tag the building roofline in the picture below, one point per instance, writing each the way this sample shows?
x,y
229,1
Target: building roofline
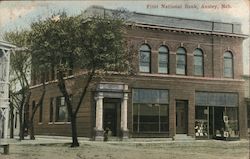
x,y
184,18
165,22
176,29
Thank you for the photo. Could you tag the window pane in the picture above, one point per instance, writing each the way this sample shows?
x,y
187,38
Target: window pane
x,y
163,58
62,113
198,70
51,110
228,72
198,52
149,118
181,63
163,49
198,62
228,65
41,113
181,59
150,115
61,110
201,121
180,69
163,69
144,67
163,63
144,58
228,55
231,126
145,48
181,51
164,118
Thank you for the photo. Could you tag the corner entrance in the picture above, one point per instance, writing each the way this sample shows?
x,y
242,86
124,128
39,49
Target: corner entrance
x,y
111,116
181,117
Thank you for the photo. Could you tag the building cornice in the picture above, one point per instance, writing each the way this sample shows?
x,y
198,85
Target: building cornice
x,y
182,30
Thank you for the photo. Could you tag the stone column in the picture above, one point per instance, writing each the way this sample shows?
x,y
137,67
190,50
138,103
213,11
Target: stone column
x,y
6,122
124,118
99,117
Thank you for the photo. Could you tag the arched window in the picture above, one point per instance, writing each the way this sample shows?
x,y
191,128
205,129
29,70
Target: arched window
x,y
198,63
181,63
228,64
145,58
163,60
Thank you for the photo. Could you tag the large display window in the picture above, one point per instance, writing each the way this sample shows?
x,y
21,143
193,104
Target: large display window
x,y
216,115
150,118
150,111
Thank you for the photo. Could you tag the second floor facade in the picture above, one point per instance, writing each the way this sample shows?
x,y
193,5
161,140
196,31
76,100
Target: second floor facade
x,y
175,47
168,53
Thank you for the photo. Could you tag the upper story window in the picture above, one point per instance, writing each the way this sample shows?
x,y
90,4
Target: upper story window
x,y
198,63
145,57
163,60
228,64
181,64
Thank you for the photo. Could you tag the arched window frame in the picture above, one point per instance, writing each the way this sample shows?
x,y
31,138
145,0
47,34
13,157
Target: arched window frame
x,y
228,64
181,61
198,62
145,58
163,60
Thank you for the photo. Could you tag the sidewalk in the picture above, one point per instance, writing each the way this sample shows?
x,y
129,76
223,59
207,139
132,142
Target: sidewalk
x,y
40,139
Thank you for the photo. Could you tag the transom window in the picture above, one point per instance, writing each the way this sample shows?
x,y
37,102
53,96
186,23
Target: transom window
x,y
145,57
163,60
181,63
228,64
198,63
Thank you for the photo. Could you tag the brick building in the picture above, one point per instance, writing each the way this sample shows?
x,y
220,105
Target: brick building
x,y
188,81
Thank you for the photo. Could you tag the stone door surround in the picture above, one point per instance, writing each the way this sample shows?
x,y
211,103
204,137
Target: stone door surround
x,y
111,90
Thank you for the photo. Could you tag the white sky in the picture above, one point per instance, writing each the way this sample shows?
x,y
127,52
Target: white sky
x,y
19,14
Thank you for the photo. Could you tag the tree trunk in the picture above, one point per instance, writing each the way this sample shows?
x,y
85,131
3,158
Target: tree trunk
x,y
32,134
39,104
21,129
11,121
75,142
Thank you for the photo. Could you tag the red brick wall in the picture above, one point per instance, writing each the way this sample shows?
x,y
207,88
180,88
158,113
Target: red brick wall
x,y
180,87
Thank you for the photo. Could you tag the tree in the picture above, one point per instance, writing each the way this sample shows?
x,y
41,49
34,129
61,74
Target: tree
x,y
94,44
19,72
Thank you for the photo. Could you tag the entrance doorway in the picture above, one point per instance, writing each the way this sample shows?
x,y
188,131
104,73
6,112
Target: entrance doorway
x,y
181,117
111,116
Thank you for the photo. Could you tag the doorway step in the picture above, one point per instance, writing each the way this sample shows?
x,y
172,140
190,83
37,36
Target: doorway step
x,y
183,137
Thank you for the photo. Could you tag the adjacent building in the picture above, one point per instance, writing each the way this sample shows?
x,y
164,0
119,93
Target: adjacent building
x,y
188,81
5,49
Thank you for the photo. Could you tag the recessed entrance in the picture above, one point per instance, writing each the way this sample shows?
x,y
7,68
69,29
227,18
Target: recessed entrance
x,y
111,116
181,117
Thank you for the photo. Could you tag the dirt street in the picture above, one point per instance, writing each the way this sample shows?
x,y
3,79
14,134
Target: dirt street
x,y
132,150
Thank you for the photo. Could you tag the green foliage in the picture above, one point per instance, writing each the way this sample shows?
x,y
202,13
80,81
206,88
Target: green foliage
x,y
93,43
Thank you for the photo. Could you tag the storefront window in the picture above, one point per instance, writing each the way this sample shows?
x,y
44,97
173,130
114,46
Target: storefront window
x,y
150,111
231,122
216,115
201,122
150,118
